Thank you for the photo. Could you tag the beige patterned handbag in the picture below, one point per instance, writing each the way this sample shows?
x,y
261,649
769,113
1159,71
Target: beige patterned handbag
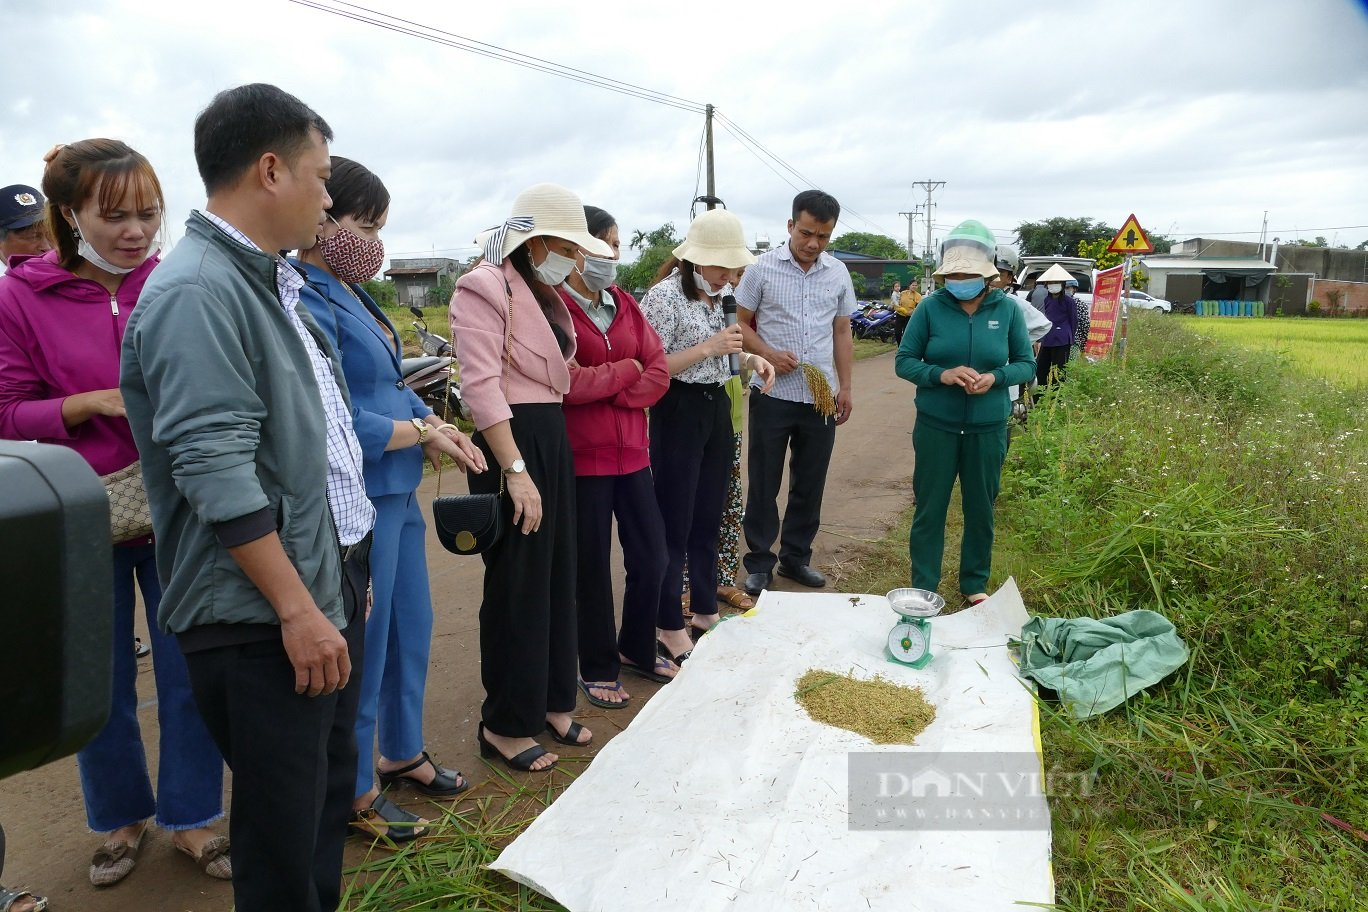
x,y
129,516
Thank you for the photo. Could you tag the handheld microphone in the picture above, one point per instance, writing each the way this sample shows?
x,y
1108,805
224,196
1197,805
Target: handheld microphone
x,y
729,311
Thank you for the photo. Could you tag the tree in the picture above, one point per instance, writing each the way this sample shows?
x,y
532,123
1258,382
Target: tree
x,y
383,291
870,244
1097,250
440,295
656,247
1318,242
1061,236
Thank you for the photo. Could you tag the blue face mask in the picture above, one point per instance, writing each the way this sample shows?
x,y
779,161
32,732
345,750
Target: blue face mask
x,y
965,289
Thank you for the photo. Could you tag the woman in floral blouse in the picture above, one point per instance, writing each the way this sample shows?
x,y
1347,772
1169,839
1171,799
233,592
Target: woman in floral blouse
x,y
691,429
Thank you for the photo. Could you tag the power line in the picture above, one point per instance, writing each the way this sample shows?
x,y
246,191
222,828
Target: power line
x,y
367,16
450,39
792,170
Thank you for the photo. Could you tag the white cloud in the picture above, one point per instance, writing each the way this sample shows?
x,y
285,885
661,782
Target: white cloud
x,y
1198,117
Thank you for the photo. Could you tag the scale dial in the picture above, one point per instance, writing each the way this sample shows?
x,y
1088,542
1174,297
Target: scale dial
x,y
909,642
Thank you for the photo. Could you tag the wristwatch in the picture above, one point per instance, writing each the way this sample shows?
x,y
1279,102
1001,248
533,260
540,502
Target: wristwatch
x,y
423,429
517,468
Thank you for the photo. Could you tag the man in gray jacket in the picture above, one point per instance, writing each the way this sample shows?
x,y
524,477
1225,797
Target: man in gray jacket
x,y
253,473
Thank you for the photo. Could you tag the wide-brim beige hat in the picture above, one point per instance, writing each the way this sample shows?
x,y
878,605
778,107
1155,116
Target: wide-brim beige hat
x,y
967,260
716,239
542,210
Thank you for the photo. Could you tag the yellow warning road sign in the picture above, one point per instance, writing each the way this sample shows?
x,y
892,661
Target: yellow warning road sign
x,y
1131,238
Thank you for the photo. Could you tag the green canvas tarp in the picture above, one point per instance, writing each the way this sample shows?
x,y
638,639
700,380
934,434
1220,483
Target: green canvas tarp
x,y
1097,664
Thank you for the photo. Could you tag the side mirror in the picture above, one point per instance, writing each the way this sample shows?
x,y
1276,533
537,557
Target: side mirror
x,y
416,311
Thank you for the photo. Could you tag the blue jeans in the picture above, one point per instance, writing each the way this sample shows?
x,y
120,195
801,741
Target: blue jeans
x,y
398,637
114,778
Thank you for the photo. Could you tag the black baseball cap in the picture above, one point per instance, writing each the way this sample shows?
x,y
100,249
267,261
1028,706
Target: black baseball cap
x,y
20,206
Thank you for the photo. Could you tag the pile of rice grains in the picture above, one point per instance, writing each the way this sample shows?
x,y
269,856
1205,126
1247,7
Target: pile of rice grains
x,y
884,712
822,400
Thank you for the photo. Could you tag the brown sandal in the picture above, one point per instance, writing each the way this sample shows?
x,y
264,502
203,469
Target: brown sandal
x,y
735,598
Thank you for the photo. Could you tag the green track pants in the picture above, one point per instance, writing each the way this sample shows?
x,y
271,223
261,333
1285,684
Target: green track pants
x,y
941,457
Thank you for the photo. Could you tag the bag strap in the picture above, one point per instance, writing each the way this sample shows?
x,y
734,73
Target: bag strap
x,y
503,379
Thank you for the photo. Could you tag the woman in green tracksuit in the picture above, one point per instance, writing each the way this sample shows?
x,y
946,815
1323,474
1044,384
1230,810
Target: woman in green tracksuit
x,y
964,346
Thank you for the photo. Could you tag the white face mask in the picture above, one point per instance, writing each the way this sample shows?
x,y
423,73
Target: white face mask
x,y
1054,288
598,273
555,269
91,256
705,287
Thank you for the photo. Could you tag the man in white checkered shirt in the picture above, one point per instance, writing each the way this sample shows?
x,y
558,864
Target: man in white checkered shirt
x,y
239,407
801,299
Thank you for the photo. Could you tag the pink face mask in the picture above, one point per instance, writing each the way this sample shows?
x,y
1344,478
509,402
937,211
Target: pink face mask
x,y
351,257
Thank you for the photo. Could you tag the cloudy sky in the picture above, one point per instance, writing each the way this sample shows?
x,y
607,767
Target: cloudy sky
x,y
1197,116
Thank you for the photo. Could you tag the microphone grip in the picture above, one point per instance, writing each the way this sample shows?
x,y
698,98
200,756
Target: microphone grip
x,y
729,311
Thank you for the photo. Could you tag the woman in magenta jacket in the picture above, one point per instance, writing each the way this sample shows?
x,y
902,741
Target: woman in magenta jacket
x,y
62,318
618,372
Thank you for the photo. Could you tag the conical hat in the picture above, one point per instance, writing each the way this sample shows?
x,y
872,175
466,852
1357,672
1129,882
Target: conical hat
x,y
1055,273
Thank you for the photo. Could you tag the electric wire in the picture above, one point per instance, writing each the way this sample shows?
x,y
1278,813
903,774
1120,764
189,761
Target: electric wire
x,y
452,40
399,25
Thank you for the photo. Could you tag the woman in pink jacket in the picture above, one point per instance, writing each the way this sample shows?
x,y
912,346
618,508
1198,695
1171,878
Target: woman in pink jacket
x,y
62,318
619,371
513,336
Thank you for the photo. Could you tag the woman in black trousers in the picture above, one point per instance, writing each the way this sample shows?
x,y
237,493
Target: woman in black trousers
x,y
691,429
513,337
619,371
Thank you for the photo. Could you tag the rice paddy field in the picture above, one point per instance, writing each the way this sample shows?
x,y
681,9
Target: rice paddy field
x,y
1334,349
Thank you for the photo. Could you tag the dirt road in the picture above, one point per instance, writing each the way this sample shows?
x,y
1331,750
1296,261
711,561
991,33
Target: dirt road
x,y
50,847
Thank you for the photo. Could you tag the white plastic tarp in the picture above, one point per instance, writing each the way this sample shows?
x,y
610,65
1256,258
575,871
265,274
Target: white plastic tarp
x,y
724,794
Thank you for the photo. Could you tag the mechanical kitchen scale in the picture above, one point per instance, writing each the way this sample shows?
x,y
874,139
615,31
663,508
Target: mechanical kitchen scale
x,y
909,642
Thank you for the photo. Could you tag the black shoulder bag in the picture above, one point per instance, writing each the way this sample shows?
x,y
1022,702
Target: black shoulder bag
x,y
473,523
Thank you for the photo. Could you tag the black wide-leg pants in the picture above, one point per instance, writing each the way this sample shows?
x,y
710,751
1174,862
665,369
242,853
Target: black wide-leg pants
x,y
527,617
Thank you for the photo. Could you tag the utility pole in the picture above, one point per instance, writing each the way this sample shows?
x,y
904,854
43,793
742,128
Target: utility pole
x,y
712,188
911,220
930,187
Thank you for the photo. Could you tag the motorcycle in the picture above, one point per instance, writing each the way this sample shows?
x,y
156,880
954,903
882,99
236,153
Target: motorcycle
x,y
877,322
430,376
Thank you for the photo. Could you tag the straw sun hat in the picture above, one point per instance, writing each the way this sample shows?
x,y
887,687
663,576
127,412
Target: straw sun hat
x,y
970,249
543,210
715,239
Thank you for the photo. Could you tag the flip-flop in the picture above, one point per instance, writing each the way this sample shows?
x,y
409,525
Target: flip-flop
x,y
615,686
649,673
735,598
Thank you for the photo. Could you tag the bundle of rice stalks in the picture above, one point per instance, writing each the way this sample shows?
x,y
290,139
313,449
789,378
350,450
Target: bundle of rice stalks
x,y
822,399
884,712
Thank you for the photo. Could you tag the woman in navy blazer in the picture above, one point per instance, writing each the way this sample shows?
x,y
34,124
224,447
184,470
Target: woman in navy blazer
x,y
395,430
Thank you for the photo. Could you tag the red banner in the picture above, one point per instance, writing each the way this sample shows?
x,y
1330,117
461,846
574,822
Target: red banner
x,y
1106,309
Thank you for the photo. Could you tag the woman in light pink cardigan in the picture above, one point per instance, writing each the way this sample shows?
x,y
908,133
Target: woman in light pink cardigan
x,y
513,337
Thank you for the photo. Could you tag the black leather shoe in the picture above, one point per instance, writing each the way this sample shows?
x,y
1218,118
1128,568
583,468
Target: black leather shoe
x,y
804,575
756,582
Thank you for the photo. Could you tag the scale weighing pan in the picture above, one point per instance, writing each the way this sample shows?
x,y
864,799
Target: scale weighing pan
x,y
915,603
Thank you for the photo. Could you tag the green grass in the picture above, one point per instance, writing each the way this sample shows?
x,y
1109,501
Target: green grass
x,y
1336,350
868,348
1228,490
447,870
1224,488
